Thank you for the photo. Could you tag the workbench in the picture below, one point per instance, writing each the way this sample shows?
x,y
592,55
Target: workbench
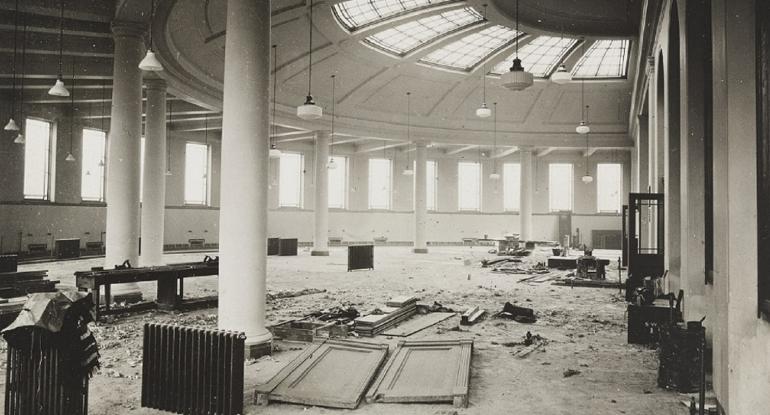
x,y
170,279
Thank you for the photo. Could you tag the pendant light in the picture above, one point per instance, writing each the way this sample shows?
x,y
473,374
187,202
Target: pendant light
x,y
168,137
20,137
562,75
150,61
583,127
332,164
495,175
483,111
69,156
274,152
58,88
12,126
309,110
517,78
587,178
408,171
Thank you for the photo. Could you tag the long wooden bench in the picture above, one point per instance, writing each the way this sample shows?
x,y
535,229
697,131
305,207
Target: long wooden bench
x,y
170,279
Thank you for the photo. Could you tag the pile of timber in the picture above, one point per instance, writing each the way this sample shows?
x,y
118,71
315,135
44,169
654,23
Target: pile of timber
x,y
396,310
17,284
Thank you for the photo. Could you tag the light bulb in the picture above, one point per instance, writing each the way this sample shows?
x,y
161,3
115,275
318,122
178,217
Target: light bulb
x,y
58,89
561,76
19,139
587,179
11,126
483,111
309,110
150,62
583,128
69,157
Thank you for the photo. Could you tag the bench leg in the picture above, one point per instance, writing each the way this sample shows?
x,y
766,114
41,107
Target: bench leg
x,y
97,301
107,296
181,289
167,297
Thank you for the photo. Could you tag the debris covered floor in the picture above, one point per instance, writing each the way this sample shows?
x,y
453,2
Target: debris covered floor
x,y
584,367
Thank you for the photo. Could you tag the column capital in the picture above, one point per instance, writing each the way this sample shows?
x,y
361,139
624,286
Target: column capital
x,y
322,133
526,149
128,29
156,84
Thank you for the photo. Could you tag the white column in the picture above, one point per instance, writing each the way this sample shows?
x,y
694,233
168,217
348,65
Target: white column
x,y
123,151
527,188
321,210
420,198
243,200
154,189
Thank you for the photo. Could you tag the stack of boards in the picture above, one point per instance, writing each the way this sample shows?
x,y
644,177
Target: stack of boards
x,y
397,310
18,284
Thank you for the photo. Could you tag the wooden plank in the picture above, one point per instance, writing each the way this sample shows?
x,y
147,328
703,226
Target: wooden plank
x,y
332,374
425,371
417,324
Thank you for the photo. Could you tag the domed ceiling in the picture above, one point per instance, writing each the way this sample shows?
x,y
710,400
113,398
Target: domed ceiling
x,y
439,51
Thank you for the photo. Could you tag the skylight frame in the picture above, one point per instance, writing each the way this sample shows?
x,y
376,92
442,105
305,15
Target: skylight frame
x,y
413,30
541,49
468,43
354,18
626,52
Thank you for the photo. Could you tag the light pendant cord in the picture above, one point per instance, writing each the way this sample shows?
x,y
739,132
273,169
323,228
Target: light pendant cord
x,y
72,105
275,90
310,52
152,17
61,36
484,68
103,100
23,68
494,136
13,62
331,147
517,29
168,130
408,124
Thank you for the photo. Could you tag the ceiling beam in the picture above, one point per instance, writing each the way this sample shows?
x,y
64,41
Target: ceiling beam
x,y
346,141
290,139
505,153
545,151
378,148
590,152
291,133
461,149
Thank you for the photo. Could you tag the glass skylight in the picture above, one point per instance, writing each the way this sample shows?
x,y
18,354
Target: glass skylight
x,y
466,53
409,36
604,59
354,14
541,56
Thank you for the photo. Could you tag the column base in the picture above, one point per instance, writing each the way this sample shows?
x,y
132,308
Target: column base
x,y
319,253
258,349
420,250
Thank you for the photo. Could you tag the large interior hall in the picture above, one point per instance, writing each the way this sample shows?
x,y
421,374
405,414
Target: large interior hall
x,y
441,207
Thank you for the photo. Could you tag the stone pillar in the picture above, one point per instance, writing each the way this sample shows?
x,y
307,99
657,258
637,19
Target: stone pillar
x,y
643,156
527,190
243,200
321,211
154,189
420,198
123,153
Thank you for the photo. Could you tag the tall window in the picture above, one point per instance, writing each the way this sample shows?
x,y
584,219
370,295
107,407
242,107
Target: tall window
x,y
512,187
196,173
609,187
92,172
37,160
560,186
290,180
431,182
338,183
380,172
469,185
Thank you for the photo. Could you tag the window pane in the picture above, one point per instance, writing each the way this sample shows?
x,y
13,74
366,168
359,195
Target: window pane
x,y
380,171
511,186
356,13
540,56
290,180
604,59
469,185
404,38
196,174
609,186
466,53
560,186
37,159
92,172
338,183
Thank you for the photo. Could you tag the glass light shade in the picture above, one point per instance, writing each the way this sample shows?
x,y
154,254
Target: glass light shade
x,y
494,176
168,172
483,111
331,165
19,139
101,163
561,76
587,178
274,152
309,110
69,157
517,78
11,126
58,89
583,128
408,172
150,62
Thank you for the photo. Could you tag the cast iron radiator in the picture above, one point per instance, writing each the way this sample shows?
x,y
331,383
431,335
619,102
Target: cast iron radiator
x,y
189,370
38,382
360,257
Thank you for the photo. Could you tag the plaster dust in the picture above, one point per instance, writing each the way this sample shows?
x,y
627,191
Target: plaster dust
x,y
584,328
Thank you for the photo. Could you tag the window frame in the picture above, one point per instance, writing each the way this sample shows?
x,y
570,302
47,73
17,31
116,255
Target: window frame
x,y
571,188
300,181
624,75
389,182
346,22
50,165
84,168
619,207
207,181
480,188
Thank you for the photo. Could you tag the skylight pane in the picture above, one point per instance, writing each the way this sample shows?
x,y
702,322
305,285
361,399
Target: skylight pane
x,y
540,56
354,14
466,53
604,59
409,36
